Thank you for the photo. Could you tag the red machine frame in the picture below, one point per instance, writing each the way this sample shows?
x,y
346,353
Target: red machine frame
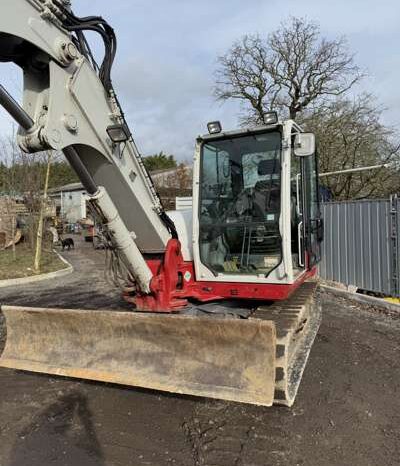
x,y
171,289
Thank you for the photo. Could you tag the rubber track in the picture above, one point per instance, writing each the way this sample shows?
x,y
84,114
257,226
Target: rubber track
x,y
297,321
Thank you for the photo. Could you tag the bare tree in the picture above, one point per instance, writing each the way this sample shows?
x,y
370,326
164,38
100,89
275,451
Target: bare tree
x,y
8,222
292,69
43,206
244,75
23,179
351,134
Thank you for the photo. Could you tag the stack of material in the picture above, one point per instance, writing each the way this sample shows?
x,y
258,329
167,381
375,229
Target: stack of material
x,y
9,233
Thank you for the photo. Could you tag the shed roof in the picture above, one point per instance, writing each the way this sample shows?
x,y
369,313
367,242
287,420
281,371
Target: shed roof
x,y
67,188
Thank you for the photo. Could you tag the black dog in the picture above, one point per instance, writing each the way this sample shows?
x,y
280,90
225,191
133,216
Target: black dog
x,y
68,243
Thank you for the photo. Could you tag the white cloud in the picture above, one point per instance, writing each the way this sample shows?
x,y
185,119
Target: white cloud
x,y
168,103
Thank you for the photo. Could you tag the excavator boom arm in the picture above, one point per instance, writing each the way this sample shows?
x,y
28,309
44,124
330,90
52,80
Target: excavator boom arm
x,y
70,106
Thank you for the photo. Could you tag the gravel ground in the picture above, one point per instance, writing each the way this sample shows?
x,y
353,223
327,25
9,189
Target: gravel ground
x,y
347,411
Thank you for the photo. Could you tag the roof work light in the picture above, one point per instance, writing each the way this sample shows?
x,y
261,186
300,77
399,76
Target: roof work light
x,y
271,118
214,127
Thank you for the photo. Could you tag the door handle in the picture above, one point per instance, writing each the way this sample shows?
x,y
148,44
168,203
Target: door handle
x,y
300,237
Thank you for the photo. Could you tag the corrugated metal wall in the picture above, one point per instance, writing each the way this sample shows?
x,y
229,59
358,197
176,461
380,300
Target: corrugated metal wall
x,y
361,244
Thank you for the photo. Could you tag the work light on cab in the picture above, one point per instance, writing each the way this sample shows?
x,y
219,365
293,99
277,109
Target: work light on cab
x,y
214,127
271,118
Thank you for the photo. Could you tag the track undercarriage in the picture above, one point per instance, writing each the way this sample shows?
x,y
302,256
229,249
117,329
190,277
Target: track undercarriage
x,y
227,353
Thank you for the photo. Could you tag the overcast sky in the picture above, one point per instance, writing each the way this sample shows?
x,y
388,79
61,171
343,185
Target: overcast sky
x,y
168,49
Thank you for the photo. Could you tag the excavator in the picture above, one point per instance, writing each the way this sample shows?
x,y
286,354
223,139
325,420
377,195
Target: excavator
x,y
221,297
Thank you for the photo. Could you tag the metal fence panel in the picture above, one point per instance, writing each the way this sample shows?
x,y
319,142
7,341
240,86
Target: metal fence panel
x,y
361,240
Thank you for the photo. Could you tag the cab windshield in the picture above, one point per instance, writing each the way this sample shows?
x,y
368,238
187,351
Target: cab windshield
x,y
240,204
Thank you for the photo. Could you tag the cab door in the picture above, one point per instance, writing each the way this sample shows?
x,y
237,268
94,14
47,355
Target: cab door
x,y
312,227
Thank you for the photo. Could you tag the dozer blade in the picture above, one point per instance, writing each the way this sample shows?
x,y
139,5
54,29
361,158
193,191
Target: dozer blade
x,y
259,360
231,359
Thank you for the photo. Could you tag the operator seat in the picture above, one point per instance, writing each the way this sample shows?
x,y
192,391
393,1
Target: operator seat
x,y
267,192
